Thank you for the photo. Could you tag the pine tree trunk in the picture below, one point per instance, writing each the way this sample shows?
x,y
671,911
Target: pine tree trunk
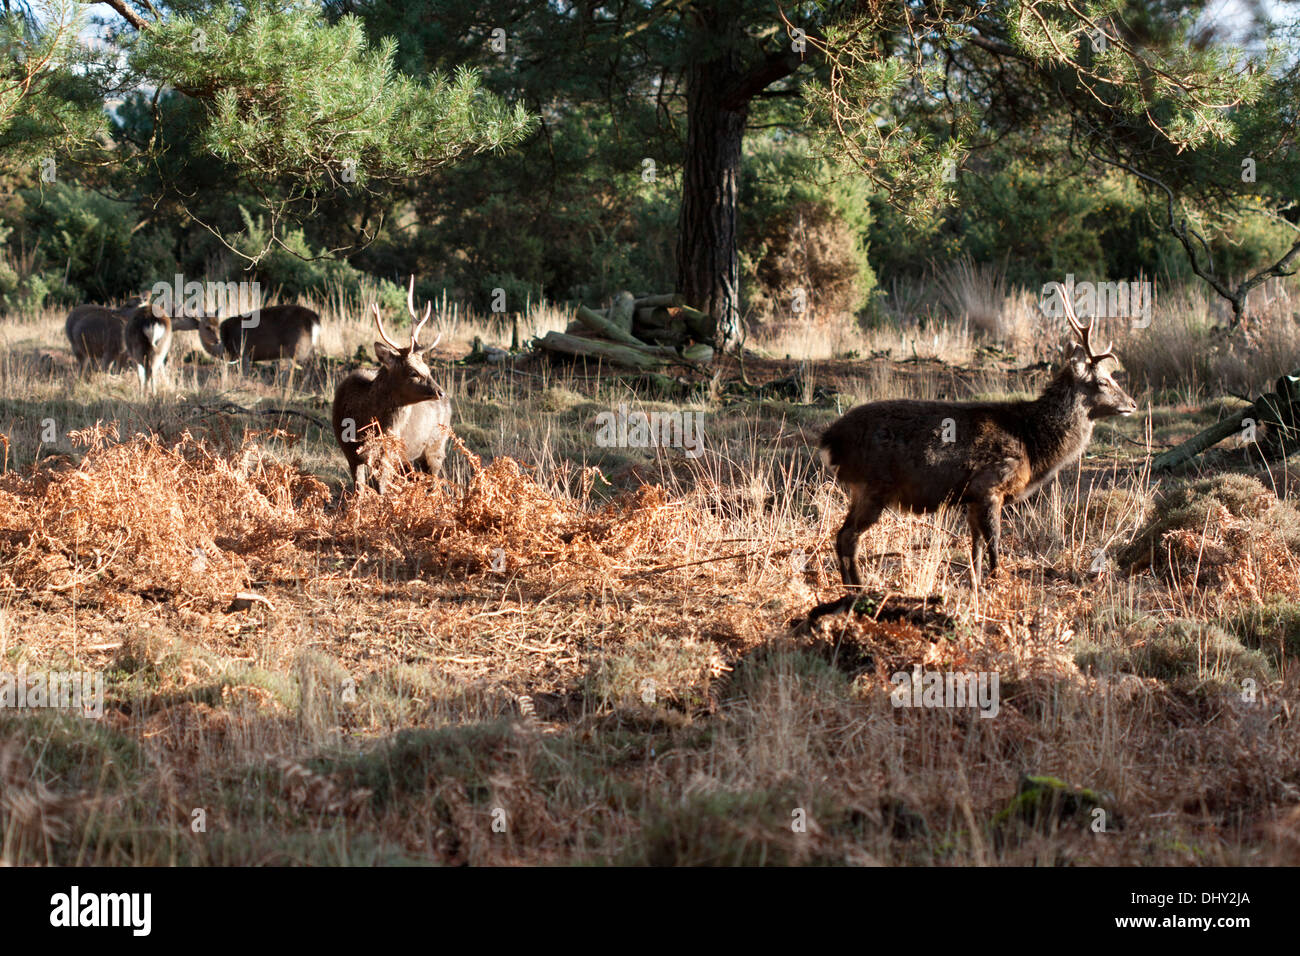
x,y
708,262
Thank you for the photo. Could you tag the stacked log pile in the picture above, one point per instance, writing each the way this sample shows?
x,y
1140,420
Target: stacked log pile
x,y
647,333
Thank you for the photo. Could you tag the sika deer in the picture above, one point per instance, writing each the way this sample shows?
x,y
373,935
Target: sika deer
x,y
277,332
148,340
401,396
919,455
98,337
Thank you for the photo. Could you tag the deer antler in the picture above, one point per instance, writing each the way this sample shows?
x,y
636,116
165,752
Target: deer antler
x,y
374,307
410,307
1085,332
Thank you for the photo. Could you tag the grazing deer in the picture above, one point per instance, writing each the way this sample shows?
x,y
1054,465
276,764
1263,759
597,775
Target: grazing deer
x,y
919,455
401,396
98,337
148,340
278,332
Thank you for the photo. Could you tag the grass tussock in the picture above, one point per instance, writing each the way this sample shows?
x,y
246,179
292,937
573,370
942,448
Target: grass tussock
x,y
1228,534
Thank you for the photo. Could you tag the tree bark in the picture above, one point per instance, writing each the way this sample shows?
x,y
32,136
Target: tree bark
x,y
708,260
718,93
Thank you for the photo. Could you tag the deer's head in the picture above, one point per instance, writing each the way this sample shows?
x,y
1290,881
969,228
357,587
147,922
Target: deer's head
x,y
1102,395
406,368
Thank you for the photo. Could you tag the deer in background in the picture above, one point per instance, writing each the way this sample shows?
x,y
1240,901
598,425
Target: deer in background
x,y
277,332
400,396
919,455
97,333
148,338
98,337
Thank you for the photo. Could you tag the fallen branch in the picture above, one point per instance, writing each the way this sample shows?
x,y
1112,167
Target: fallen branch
x,y
643,357
230,408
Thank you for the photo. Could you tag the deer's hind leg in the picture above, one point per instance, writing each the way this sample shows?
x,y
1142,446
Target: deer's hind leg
x,y
864,511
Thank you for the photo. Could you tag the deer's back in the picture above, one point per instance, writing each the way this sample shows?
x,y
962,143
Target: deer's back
x,y
282,331
96,333
81,312
919,454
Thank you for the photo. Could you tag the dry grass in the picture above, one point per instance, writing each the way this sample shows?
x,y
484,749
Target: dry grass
x,y
573,654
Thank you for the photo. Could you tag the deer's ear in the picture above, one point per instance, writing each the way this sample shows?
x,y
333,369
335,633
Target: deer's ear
x,y
386,353
1079,363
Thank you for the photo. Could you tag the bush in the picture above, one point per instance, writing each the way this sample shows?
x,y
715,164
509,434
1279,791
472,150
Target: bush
x,y
1273,626
1229,533
799,230
94,242
1180,652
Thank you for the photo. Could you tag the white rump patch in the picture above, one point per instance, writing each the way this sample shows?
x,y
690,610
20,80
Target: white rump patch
x,y
156,332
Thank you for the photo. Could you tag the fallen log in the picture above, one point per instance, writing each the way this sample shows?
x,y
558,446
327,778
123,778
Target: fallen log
x,y
621,311
1198,443
701,323
643,357
649,317
635,330
603,326
668,298
1280,409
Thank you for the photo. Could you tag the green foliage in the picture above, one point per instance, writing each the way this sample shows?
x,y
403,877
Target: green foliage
x,y
567,215
89,245
915,92
1187,654
51,92
1044,802
293,98
292,266
1273,627
1044,216
291,108
802,228
298,132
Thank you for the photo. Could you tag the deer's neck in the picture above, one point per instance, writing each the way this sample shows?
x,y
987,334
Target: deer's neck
x,y
388,412
211,342
1057,428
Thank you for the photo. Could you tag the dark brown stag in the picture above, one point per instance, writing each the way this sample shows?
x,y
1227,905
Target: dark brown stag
x,y
919,455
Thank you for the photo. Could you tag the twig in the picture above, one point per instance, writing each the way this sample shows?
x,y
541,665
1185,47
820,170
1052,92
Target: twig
x,y
231,408
691,564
